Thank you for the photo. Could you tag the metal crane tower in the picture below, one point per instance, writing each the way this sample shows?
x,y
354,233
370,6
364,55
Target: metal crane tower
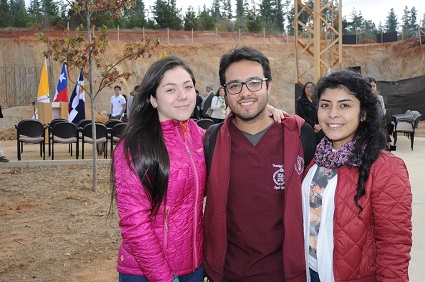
x,y
318,38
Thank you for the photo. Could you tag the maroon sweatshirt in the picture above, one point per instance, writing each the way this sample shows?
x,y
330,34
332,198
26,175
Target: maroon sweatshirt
x,y
216,210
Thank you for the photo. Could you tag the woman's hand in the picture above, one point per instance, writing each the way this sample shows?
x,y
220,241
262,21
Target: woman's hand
x,y
278,115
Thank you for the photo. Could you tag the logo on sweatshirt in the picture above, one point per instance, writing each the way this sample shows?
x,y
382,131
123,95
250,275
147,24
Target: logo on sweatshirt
x,y
299,165
279,177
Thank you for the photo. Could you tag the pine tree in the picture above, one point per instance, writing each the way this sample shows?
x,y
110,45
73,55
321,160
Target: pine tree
x,y
405,21
254,20
206,20
51,13
215,10
35,12
6,19
19,13
227,10
135,17
268,13
391,23
240,14
413,24
290,17
280,16
190,19
166,14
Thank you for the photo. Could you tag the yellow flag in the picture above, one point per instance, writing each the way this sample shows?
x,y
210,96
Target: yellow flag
x,y
163,55
43,87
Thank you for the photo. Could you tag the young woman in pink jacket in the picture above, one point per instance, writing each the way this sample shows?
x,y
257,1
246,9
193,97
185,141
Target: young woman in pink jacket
x,y
357,200
159,178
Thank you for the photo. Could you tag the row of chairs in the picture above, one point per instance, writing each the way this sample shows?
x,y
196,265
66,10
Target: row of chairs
x,y
406,123
61,131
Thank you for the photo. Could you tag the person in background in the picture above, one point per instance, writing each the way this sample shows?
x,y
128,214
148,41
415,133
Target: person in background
x,y
253,212
357,200
159,175
196,114
118,104
130,100
389,127
3,158
206,103
124,116
381,104
306,109
219,107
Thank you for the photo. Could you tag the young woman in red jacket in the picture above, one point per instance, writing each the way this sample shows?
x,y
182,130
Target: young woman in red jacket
x,y
356,196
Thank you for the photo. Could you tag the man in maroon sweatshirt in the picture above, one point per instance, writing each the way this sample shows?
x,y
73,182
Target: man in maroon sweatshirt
x,y
253,217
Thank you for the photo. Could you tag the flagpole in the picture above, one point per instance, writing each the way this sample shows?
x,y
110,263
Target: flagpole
x,y
33,106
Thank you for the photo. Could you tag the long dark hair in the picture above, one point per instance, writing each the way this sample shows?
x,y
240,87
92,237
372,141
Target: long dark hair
x,y
143,139
304,87
370,131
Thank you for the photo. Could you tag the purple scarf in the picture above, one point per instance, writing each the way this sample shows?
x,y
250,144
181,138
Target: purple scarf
x,y
326,156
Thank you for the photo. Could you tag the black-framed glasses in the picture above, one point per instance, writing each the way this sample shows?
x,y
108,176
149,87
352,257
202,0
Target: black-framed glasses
x,y
252,85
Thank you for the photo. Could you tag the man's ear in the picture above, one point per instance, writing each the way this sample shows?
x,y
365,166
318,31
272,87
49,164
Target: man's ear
x,y
269,88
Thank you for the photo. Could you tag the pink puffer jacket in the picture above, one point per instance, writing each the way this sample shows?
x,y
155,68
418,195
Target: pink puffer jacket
x,y
171,242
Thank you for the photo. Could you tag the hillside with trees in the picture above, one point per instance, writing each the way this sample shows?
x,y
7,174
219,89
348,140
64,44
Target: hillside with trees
x,y
269,16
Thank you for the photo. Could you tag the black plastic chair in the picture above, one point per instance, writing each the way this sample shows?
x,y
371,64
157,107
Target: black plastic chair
x,y
50,127
30,131
204,123
101,138
82,123
115,134
407,126
65,133
112,122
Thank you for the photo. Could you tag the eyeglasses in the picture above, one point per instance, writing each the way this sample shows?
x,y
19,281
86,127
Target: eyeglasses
x,y
252,85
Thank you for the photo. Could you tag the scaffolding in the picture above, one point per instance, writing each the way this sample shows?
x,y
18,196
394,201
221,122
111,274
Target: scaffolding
x,y
318,38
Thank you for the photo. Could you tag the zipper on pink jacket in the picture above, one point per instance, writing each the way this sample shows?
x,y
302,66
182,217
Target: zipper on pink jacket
x,y
165,239
195,216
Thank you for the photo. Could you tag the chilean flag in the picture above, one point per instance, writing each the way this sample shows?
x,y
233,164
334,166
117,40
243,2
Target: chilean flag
x,y
61,94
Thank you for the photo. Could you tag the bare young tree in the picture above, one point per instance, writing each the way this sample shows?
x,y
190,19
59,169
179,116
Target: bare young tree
x,y
84,53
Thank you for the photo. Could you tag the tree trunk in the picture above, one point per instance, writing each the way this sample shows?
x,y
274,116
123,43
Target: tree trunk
x,y
93,117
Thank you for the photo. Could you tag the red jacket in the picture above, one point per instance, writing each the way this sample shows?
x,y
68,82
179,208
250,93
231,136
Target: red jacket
x,y
215,241
376,246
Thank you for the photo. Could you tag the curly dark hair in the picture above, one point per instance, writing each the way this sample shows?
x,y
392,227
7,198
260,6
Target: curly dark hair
x,y
370,131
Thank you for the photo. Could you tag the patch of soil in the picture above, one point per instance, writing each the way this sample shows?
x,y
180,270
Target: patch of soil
x,y
54,227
